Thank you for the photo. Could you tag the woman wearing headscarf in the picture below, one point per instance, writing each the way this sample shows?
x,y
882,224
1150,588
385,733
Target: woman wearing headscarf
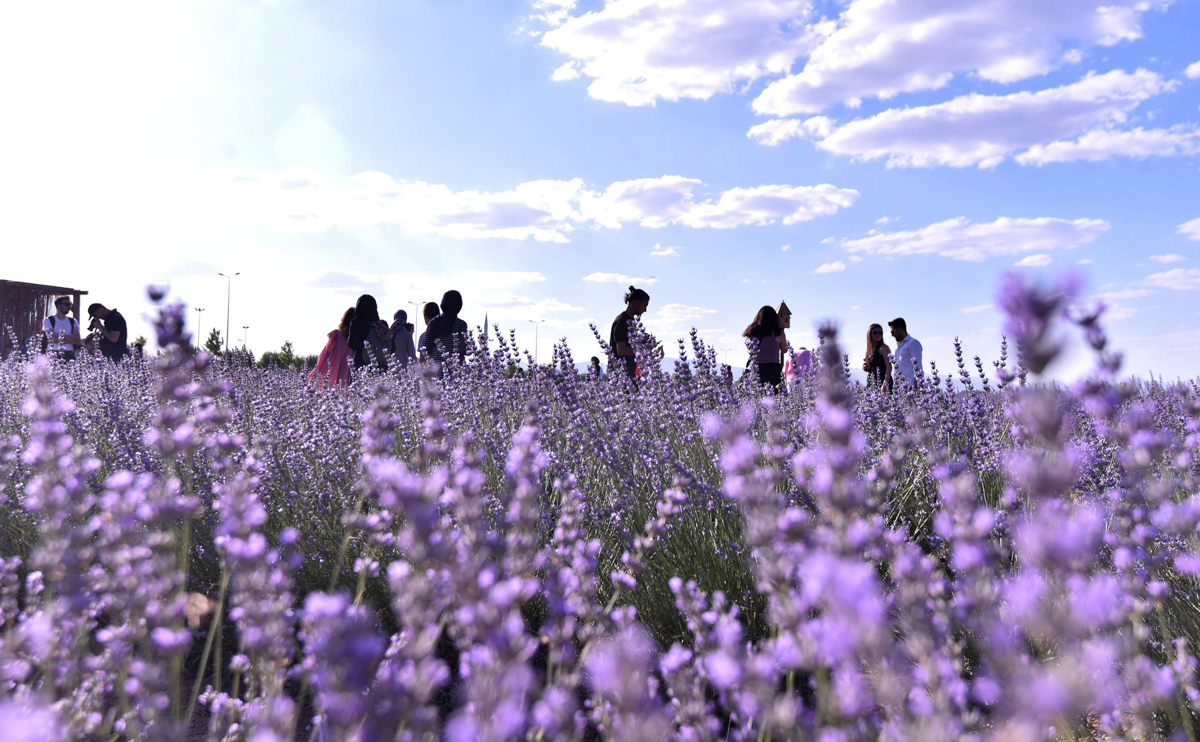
x,y
367,333
333,365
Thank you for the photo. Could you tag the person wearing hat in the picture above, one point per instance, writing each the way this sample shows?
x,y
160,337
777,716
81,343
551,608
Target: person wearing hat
x,y
110,325
907,364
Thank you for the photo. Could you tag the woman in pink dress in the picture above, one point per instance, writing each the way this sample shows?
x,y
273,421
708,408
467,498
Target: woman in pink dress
x,y
333,365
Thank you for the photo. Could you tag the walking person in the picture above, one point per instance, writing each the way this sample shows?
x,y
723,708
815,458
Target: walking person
x,y
767,330
428,312
636,302
333,365
908,352
403,346
367,332
446,333
113,333
875,360
60,331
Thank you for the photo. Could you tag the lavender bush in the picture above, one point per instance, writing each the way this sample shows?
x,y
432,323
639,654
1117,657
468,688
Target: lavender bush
x,y
195,548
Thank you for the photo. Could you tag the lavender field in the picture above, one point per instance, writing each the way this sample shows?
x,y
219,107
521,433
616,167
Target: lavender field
x,y
195,548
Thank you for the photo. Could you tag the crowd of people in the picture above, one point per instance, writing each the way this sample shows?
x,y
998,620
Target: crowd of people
x,y
363,338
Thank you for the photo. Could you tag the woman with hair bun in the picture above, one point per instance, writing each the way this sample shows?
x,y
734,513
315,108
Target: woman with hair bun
x,y
636,301
767,330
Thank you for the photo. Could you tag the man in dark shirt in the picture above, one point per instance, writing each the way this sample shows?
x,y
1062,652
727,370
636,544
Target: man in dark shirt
x,y
113,331
636,302
446,331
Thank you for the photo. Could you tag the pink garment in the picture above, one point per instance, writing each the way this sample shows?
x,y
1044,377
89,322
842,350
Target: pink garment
x,y
333,365
796,363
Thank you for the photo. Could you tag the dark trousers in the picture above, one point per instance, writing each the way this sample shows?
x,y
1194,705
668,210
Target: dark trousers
x,y
770,373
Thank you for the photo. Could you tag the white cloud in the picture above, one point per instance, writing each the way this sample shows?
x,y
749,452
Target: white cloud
x,y
1104,144
525,305
676,313
777,131
881,48
1179,279
785,248
978,308
984,130
619,278
884,220
1167,258
569,71
1193,71
1084,261
665,252
1033,261
638,51
834,267
1191,229
344,281
670,199
502,278
546,210
959,239
1122,294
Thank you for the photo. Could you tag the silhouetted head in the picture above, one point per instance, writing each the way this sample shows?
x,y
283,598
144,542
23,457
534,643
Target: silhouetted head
x,y
899,329
98,310
765,324
347,318
430,311
366,308
636,301
401,316
451,302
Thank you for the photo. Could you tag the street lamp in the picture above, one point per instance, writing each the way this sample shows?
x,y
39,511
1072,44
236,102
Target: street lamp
x,y
535,324
198,318
245,334
228,292
417,316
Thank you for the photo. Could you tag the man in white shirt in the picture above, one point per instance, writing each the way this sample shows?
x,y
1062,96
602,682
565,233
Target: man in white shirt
x,y
907,354
61,331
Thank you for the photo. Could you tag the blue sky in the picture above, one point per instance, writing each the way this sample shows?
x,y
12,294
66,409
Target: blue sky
x,y
860,160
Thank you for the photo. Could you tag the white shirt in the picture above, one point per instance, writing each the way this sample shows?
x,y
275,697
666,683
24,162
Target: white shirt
x,y
56,327
908,359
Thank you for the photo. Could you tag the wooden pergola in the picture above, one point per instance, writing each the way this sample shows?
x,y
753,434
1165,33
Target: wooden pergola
x,y
23,306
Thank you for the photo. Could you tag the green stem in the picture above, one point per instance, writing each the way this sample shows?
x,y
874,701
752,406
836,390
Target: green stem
x,y
213,631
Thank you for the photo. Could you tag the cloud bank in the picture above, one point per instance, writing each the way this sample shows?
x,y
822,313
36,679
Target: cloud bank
x,y
959,239
1071,122
543,210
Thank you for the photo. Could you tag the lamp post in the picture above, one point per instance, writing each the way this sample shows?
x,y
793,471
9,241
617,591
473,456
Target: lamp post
x,y
417,316
535,324
198,318
245,334
228,293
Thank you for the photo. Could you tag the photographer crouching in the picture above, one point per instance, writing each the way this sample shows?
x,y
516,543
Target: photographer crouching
x,y
108,325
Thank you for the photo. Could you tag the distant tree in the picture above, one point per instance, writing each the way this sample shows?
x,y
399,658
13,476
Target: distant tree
x,y
213,344
269,359
287,355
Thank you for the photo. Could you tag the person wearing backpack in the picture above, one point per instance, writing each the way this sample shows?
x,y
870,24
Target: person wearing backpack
x,y
60,332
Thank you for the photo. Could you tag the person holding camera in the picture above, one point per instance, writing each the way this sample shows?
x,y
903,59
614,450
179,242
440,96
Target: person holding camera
x,y
113,333
60,333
